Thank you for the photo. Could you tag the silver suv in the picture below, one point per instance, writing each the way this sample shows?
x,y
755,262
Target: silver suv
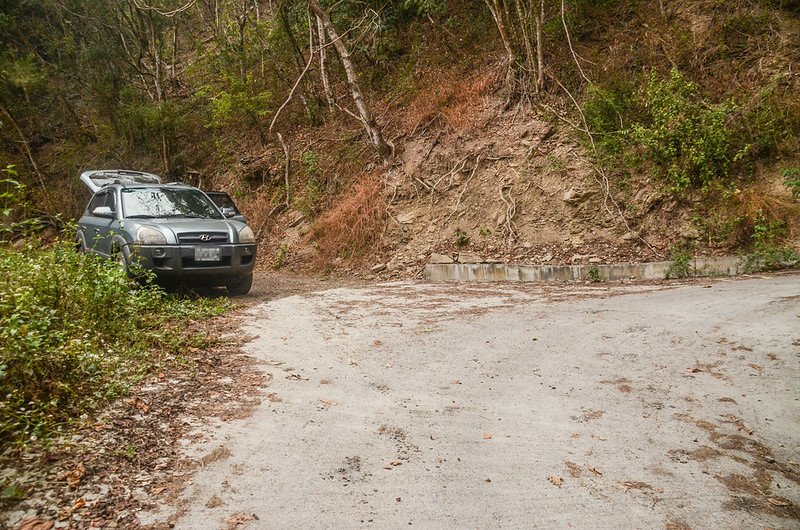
x,y
173,229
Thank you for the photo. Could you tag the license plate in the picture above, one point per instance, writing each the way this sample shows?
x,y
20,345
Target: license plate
x,y
207,254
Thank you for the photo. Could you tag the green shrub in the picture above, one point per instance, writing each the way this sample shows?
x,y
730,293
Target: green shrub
x,y
681,266
688,143
462,239
688,139
13,206
74,332
792,180
769,251
280,256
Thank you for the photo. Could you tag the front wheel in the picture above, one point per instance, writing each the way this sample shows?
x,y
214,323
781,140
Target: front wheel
x,y
240,286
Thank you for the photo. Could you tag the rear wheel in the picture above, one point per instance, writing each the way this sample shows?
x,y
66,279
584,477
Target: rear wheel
x,y
240,286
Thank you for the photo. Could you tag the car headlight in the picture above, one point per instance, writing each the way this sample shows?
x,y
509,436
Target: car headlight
x,y
150,236
246,235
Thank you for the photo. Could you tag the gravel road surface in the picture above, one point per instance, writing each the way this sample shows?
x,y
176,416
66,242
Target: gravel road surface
x,y
665,406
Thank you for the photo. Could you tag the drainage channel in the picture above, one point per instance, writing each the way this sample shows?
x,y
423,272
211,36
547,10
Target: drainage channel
x,y
492,272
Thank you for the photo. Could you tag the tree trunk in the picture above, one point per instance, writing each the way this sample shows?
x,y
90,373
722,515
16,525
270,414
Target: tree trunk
x,y
323,71
367,119
26,146
511,60
539,48
286,25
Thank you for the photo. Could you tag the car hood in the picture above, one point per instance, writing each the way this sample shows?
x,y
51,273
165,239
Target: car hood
x,y
174,228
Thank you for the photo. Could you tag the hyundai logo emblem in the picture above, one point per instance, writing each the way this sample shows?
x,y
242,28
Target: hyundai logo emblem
x,y
205,237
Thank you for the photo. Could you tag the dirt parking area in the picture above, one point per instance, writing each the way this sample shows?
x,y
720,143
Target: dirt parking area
x,y
673,406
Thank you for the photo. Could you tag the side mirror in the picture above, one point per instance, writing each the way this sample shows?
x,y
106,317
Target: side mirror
x,y
228,212
103,211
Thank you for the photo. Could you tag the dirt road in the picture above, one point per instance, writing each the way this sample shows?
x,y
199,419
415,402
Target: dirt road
x,y
485,405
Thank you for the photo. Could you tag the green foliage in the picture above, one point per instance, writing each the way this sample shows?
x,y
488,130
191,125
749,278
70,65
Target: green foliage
x,y
688,139
792,180
13,206
420,8
308,203
681,266
310,161
280,257
687,143
241,100
462,240
594,275
768,251
74,332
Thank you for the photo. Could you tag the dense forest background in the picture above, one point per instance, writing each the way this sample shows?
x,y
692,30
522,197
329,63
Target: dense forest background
x,y
304,111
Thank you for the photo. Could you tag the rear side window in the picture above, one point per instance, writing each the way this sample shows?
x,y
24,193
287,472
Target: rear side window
x,y
223,200
104,198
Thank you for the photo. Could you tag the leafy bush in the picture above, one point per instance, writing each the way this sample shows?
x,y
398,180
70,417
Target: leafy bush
x,y
688,142
462,240
74,332
792,176
242,101
681,266
687,138
768,251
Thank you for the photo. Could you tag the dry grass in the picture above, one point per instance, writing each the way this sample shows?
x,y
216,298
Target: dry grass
x,y
456,102
354,224
256,209
756,200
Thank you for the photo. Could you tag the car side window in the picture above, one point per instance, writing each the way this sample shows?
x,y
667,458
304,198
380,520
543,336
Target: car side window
x,y
99,199
111,201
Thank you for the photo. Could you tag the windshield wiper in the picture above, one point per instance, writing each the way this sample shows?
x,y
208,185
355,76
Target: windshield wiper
x,y
189,215
140,216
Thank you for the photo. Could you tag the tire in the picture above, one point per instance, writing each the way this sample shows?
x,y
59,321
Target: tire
x,y
122,260
241,286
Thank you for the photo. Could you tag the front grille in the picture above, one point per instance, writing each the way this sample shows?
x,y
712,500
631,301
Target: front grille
x,y
203,238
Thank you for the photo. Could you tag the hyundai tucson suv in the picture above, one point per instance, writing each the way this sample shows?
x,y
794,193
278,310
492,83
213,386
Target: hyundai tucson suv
x,y
172,229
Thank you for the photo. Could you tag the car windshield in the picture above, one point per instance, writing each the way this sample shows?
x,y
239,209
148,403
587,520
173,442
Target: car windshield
x,y
147,203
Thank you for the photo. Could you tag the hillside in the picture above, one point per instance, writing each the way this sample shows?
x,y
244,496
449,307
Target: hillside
x,y
641,130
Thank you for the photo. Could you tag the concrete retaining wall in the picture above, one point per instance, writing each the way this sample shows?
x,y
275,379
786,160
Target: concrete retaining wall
x,y
487,272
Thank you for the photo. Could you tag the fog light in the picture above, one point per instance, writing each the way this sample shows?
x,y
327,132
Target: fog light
x,y
159,252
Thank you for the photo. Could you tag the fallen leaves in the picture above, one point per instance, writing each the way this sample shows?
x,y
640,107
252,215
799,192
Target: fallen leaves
x,y
573,468
36,524
555,480
74,476
327,403
139,404
392,464
238,519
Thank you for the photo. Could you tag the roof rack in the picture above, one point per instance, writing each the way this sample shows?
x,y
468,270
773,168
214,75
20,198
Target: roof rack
x,y
97,179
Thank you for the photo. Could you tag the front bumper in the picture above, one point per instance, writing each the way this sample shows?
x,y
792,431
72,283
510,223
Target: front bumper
x,y
177,263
